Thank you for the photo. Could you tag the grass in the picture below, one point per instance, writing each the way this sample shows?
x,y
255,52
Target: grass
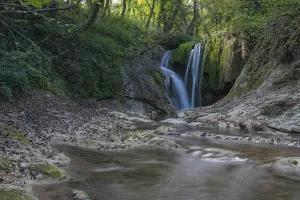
x,y
13,194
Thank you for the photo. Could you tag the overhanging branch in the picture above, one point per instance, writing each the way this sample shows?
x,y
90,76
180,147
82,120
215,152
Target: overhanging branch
x,y
38,10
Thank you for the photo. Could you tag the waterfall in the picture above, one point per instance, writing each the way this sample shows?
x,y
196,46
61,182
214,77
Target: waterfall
x,y
174,85
185,94
193,74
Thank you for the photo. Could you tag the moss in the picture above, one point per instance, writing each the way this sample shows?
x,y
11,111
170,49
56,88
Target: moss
x,y
222,63
48,171
159,142
14,134
226,61
212,61
13,194
142,136
6,164
182,53
157,77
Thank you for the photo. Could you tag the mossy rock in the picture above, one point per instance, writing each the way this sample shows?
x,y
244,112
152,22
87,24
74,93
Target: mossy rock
x,y
142,136
159,142
47,171
182,53
223,62
14,134
13,194
6,164
158,78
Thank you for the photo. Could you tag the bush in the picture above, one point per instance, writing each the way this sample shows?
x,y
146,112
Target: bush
x,y
23,72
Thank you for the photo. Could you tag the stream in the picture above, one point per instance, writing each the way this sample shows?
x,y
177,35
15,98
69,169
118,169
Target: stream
x,y
210,170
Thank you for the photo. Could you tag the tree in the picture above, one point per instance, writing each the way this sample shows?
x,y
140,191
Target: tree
x,y
95,8
124,7
151,13
193,23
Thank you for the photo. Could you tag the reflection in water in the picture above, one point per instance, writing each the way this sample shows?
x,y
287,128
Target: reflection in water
x,y
212,170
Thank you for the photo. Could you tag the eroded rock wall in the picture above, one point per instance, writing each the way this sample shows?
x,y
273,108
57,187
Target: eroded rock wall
x,y
266,95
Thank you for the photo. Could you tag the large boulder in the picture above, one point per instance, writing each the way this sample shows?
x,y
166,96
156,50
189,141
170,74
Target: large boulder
x,y
144,84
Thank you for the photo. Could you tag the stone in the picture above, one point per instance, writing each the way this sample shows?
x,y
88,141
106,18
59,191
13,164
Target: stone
x,y
80,195
165,130
196,124
174,121
290,164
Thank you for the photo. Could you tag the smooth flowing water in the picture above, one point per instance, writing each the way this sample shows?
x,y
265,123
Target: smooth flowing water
x,y
211,170
174,85
185,94
193,74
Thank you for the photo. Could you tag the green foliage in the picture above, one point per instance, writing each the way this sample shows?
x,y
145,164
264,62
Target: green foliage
x,y
23,72
126,31
14,134
10,194
51,51
172,41
36,3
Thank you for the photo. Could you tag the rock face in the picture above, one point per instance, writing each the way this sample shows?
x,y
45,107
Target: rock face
x,y
224,60
144,84
266,96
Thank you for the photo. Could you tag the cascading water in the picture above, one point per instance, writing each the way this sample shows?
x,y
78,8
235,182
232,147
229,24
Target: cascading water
x,y
174,85
185,94
193,74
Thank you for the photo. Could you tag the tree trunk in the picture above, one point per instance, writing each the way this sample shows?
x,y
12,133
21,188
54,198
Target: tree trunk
x,y
191,28
94,13
106,8
124,8
151,13
162,13
169,23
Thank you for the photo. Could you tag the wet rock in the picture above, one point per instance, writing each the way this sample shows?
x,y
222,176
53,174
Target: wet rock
x,y
196,124
80,195
165,130
291,164
132,118
223,125
174,121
